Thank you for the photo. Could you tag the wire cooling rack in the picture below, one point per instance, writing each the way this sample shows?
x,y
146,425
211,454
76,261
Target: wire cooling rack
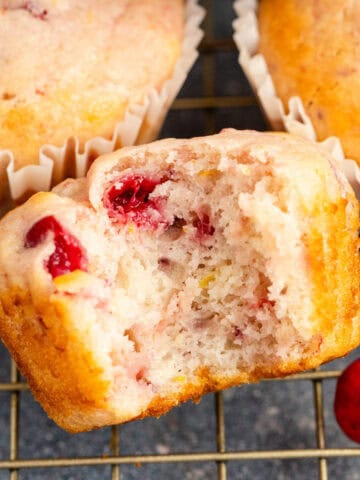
x,y
273,430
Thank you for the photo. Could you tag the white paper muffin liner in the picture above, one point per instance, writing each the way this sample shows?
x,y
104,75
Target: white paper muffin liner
x,y
141,124
291,118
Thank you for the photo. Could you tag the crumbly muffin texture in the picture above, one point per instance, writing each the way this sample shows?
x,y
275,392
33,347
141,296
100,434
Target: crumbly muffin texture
x,y
72,68
179,268
312,49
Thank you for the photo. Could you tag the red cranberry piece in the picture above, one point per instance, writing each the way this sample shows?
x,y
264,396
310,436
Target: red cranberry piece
x,y
34,10
32,7
203,227
347,401
264,302
128,200
68,255
238,333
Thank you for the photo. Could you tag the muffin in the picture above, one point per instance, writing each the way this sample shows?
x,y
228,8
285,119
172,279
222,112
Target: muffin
x,y
312,50
77,69
178,268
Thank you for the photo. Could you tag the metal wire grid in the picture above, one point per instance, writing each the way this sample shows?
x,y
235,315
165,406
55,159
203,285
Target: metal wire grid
x,y
209,102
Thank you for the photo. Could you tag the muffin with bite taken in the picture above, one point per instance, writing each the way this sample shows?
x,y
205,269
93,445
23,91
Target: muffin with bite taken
x,y
178,268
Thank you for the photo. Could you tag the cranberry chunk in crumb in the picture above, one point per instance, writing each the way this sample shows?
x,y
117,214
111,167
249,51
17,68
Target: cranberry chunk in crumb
x,y
238,333
32,7
128,200
347,401
203,227
263,303
68,255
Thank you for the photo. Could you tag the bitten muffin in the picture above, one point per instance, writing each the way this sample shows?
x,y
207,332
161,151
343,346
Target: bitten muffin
x,y
312,49
73,68
179,268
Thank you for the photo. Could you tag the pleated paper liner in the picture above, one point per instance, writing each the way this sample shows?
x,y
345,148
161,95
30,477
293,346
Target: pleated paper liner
x,y
140,124
293,118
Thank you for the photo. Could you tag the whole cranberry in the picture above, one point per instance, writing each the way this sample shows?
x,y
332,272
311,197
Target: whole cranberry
x,y
347,401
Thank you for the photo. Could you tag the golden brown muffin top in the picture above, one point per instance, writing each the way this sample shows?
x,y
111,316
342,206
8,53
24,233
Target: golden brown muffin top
x,y
71,68
312,48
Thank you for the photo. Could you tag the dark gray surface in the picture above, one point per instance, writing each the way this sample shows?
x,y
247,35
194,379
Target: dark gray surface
x,y
68,473
264,416
4,425
4,364
189,428
256,417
